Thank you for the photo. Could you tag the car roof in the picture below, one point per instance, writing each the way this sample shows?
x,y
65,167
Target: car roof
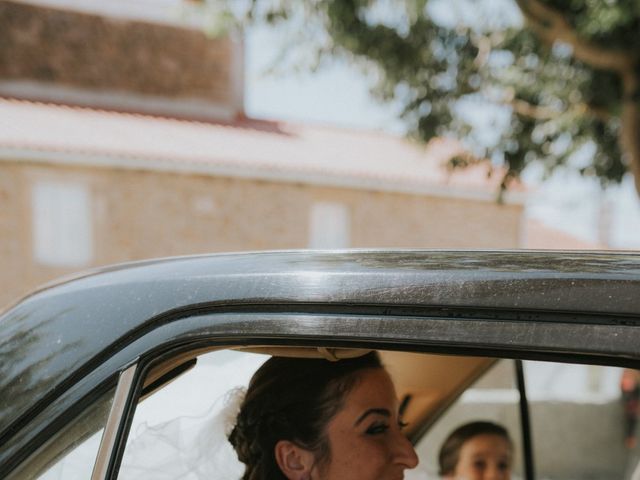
x,y
56,336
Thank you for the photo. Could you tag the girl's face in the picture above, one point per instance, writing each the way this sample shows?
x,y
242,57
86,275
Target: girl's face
x,y
484,457
365,437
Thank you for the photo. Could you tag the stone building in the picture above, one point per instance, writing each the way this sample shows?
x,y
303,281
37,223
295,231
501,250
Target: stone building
x,y
128,148
89,187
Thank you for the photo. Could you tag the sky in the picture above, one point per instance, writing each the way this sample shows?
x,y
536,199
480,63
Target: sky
x,y
338,94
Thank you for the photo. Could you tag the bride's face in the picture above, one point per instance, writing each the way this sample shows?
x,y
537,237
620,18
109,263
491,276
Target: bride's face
x,y
365,437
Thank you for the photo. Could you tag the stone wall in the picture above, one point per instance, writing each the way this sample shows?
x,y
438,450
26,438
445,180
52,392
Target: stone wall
x,y
145,214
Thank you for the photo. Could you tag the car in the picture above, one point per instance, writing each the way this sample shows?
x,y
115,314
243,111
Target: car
x,y
97,369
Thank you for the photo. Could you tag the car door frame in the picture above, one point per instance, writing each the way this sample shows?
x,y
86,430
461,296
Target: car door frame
x,y
461,337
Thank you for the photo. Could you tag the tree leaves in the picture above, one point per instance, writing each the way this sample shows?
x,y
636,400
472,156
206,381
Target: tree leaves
x,y
562,75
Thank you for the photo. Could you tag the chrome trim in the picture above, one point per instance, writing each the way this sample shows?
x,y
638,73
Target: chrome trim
x,y
109,437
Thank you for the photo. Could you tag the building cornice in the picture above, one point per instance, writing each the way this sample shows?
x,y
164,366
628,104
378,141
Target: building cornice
x,y
231,170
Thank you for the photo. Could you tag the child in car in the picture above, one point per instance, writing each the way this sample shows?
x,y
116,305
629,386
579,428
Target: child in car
x,y
477,451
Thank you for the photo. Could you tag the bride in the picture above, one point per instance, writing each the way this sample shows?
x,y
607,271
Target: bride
x,y
299,419
312,419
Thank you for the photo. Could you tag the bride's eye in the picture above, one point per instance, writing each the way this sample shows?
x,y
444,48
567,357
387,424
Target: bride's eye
x,y
377,428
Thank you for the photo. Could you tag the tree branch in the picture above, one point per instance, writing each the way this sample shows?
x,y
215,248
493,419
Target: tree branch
x,y
535,112
552,26
598,112
527,109
538,112
630,125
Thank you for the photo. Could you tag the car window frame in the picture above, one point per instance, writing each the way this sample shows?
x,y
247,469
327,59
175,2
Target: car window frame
x,y
323,326
122,400
132,388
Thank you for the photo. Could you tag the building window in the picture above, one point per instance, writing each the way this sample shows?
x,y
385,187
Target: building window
x,y
329,225
62,234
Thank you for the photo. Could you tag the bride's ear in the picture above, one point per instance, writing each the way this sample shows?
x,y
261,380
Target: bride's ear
x,y
295,462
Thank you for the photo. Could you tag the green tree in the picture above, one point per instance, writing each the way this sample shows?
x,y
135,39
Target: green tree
x,y
566,73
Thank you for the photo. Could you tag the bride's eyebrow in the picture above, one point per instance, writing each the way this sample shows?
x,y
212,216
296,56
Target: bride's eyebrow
x,y
373,411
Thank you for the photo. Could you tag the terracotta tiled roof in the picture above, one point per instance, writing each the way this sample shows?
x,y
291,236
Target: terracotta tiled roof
x,y
253,148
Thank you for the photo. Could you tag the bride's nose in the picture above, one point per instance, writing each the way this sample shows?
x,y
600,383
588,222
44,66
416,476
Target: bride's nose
x,y
404,452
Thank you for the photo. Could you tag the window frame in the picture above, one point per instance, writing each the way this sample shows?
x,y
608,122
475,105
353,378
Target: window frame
x,y
111,455
321,325
113,432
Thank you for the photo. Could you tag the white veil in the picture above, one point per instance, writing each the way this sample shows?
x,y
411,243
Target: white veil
x,y
189,448
181,431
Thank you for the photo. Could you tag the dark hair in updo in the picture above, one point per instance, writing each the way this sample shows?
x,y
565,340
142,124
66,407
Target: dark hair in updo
x,y
450,451
292,399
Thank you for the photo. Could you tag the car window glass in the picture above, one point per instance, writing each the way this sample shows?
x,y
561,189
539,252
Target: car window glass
x,y
71,452
583,420
78,463
179,430
494,397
